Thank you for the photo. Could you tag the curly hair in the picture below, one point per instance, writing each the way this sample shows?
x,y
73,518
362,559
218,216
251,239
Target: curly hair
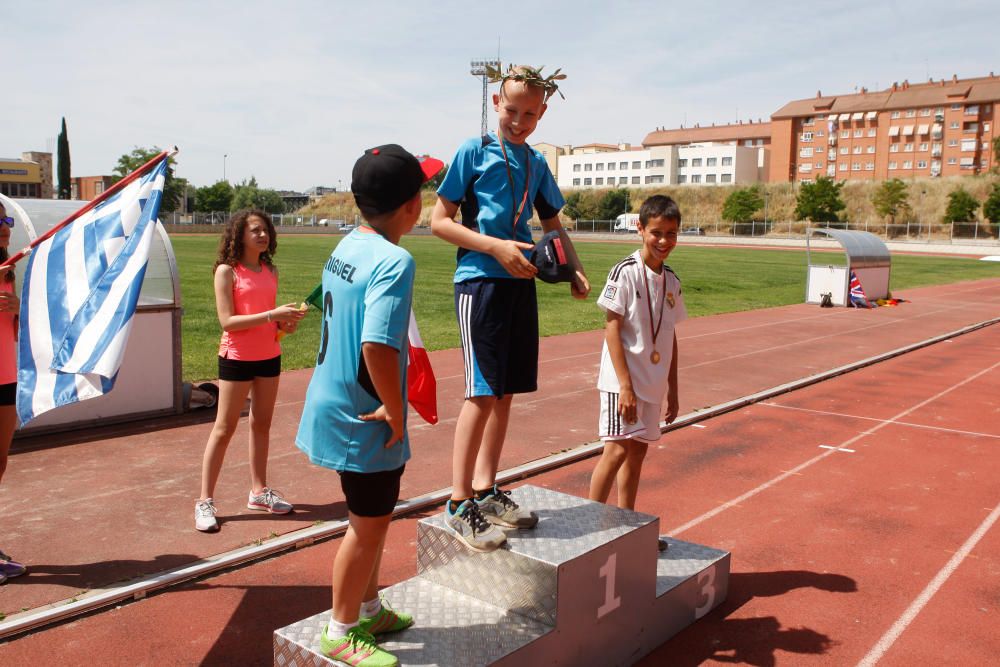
x,y
231,243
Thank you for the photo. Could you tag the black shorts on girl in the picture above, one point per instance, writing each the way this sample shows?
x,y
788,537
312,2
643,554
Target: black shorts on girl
x,y
371,493
236,370
8,393
498,324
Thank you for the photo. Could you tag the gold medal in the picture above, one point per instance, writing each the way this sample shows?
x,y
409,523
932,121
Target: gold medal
x,y
654,357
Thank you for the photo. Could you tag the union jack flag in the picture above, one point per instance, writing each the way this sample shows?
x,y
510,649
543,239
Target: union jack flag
x,y
858,298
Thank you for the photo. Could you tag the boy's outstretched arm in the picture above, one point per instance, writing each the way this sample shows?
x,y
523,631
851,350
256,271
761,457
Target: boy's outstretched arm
x,y
673,393
383,367
580,287
508,253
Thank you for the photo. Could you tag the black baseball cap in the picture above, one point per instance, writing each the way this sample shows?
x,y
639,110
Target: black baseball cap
x,y
386,177
549,257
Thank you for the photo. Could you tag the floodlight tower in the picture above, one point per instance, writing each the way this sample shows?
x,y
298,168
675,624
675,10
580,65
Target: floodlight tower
x,y
478,68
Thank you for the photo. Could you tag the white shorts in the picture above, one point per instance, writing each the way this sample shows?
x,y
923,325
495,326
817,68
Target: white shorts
x,y
611,426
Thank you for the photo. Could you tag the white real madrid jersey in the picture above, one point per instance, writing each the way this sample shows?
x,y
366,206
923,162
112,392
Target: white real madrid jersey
x,y
624,293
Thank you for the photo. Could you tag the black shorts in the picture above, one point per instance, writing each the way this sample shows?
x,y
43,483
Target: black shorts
x,y
498,325
235,370
371,493
8,393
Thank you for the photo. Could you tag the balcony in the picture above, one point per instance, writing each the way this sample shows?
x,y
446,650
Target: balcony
x,y
832,141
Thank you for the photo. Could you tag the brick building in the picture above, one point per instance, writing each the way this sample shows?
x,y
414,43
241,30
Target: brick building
x,y
86,188
938,128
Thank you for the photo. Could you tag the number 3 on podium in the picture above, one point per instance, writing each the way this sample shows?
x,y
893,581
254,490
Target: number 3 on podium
x,y
707,582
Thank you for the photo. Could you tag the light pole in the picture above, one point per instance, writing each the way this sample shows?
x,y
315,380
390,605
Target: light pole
x,y
224,156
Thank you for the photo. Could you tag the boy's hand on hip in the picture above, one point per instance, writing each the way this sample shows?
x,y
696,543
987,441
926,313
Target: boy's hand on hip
x,y
580,287
626,405
509,254
382,415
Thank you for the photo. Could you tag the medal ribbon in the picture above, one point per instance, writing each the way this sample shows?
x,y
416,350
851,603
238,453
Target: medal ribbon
x,y
649,303
510,180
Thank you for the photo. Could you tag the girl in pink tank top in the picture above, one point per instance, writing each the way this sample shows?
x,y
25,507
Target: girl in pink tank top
x,y
10,306
246,286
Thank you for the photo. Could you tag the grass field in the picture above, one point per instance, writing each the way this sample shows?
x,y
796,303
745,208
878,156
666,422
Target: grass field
x,y
716,280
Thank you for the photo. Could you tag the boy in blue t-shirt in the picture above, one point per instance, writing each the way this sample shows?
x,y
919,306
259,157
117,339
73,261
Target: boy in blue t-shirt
x,y
496,181
354,417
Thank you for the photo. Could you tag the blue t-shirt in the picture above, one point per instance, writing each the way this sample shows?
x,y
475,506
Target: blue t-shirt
x,y
477,182
367,296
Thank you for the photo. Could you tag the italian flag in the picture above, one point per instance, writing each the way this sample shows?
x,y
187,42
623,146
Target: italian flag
x,y
421,386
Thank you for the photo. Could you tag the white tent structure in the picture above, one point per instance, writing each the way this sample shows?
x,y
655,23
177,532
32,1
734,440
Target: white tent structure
x,y
865,254
149,380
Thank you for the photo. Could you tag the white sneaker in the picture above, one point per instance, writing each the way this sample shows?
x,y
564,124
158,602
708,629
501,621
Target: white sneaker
x,y
469,525
268,500
204,516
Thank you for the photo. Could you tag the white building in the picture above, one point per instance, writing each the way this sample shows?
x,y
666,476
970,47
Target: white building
x,y
692,164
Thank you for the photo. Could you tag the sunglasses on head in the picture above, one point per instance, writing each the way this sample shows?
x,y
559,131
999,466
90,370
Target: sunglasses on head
x,y
9,221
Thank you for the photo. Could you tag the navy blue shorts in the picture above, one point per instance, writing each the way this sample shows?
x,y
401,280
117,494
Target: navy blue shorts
x,y
498,323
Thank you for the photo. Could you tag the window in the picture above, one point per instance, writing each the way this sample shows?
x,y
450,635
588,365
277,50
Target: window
x,y
856,166
845,134
588,181
748,142
635,180
952,143
894,114
727,162
727,178
611,166
696,178
893,148
599,181
807,136
576,167
576,182
682,179
970,128
710,178
820,133
636,165
923,147
588,167
954,125
910,113
956,107
711,162
622,180
952,160
623,165
683,162
907,164
817,165
805,167
892,165
869,166
843,166
907,148
972,110
760,142
857,150
843,150
921,164
925,112
986,127
696,162
98,187
860,132
656,163
808,120
969,144
654,179
870,149
872,131
600,166
805,180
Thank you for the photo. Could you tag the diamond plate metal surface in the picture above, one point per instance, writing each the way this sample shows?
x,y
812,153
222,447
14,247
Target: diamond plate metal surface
x,y
449,629
682,561
522,575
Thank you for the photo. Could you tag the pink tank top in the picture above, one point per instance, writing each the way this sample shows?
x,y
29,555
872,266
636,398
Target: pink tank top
x,y
8,346
252,293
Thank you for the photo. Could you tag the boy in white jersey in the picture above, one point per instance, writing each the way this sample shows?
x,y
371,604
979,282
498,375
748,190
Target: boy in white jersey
x,y
642,302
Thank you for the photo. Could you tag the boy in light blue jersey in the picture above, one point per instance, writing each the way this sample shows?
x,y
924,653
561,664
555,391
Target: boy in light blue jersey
x,y
497,181
354,417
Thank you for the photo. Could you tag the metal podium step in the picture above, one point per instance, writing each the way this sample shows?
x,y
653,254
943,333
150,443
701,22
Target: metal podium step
x,y
584,587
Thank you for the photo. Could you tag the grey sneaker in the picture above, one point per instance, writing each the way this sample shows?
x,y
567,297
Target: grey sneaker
x,y
204,516
499,508
472,528
268,500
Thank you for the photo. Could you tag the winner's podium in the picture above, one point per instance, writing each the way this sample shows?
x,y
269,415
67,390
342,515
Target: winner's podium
x,y
587,586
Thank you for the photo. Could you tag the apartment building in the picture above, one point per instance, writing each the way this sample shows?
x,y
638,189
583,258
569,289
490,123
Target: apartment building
x,y
938,128
86,188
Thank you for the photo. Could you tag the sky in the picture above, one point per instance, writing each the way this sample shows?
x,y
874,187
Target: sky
x,y
293,92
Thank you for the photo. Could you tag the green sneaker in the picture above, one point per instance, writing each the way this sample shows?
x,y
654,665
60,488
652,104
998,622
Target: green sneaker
x,y
356,649
386,620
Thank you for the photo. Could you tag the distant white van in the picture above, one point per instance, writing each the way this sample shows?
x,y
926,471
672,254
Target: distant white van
x,y
627,222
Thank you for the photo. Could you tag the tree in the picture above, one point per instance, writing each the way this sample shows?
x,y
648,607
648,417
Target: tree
x,y
249,195
173,188
991,207
613,203
962,206
819,201
741,204
213,198
64,189
891,199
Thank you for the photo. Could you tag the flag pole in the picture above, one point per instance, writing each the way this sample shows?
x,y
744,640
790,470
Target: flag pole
x,y
114,189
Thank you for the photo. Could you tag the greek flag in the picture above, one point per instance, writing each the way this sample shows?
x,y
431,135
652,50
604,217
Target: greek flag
x,y
80,292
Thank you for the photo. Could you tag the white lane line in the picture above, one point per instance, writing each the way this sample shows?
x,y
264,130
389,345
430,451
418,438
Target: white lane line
x,y
928,427
719,509
890,637
837,449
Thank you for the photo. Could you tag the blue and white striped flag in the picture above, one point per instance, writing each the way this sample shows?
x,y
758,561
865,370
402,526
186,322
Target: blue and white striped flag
x,y
79,296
